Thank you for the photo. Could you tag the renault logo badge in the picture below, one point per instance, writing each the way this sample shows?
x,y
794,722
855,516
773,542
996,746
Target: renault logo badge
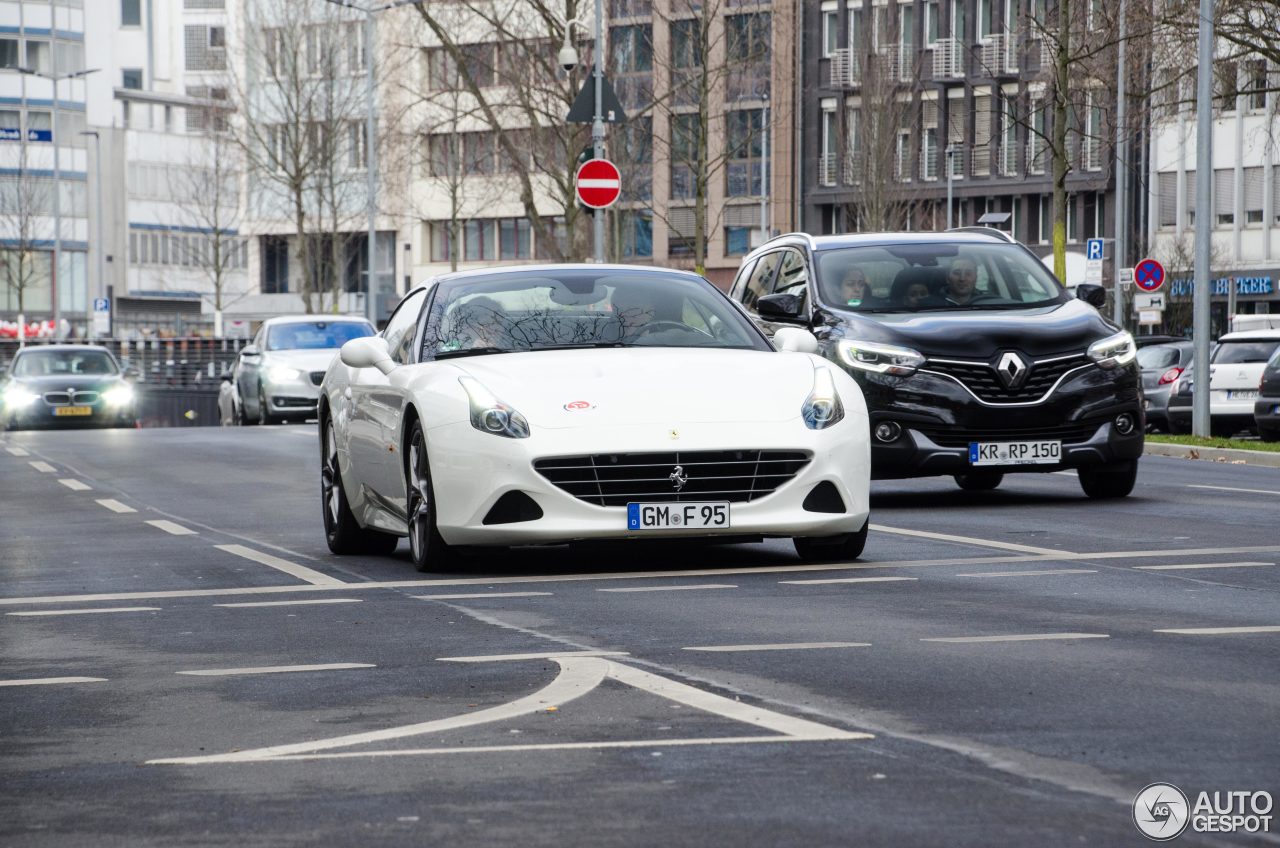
x,y
1013,369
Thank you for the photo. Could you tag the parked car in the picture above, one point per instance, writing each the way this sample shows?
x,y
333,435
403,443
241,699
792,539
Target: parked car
x,y
974,361
277,375
1161,366
1266,411
568,402
1235,377
1157,339
70,385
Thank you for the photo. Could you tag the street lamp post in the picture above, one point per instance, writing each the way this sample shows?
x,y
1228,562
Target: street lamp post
x,y
951,152
101,288
764,172
568,59
371,147
57,183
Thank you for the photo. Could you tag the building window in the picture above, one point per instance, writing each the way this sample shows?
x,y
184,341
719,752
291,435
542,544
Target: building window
x,y
746,145
217,37
1253,194
130,13
830,33
275,264
38,56
685,135
9,53
1255,84
636,234
632,49
1224,197
131,78
357,150
737,241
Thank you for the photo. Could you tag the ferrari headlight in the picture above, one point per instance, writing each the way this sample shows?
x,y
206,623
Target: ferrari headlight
x,y
822,408
491,415
877,358
283,374
118,396
1113,351
19,397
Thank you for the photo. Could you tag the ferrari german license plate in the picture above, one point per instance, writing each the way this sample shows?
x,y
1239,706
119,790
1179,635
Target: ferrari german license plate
x,y
73,410
1015,453
677,516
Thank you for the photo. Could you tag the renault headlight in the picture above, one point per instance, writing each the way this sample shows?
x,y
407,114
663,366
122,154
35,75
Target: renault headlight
x,y
492,415
877,358
19,397
1113,351
118,396
822,408
283,374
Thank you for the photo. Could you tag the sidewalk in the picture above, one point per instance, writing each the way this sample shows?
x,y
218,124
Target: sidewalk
x,y
1269,459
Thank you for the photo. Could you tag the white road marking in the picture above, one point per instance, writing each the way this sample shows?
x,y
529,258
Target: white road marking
x,y
544,655
847,580
273,669
1200,565
1031,573
115,505
835,736
1221,631
304,602
970,540
632,575
782,646
310,575
48,681
17,451
578,676
1233,489
480,595
31,613
1026,637
671,588
171,528
74,484
42,467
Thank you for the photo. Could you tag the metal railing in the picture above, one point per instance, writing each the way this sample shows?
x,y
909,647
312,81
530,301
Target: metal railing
x,y
827,169
1000,54
1037,156
179,363
1007,160
929,156
980,164
845,72
948,58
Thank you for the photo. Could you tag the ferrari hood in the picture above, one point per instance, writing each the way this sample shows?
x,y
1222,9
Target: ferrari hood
x,y
667,386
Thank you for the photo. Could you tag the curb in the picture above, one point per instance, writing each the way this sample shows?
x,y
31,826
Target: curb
x,y
1268,459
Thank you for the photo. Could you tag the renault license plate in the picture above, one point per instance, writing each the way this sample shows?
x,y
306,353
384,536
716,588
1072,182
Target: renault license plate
x,y
1015,453
677,516
73,410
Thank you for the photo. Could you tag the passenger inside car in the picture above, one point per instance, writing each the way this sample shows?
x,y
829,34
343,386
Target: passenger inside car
x,y
477,323
912,287
855,290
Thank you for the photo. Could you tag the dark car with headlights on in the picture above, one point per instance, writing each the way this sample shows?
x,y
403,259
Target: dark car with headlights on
x,y
974,360
65,386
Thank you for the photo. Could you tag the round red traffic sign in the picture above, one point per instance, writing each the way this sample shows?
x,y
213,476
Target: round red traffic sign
x,y
598,183
1148,275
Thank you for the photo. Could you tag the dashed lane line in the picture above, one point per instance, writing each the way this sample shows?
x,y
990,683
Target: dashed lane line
x,y
74,484
17,451
42,467
1049,571
51,681
1233,489
305,602
688,588
970,540
172,528
310,575
848,580
114,505
541,655
1196,565
471,595
273,669
1221,631
1023,637
33,613
781,646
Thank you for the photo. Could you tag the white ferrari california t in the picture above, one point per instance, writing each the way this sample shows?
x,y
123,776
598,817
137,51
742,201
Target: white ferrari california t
x,y
548,404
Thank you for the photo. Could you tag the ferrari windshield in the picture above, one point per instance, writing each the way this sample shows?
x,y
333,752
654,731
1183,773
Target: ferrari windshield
x,y
934,276
315,335
566,308
58,363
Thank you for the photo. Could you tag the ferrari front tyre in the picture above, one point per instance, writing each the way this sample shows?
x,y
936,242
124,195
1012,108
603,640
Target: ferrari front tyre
x,y
1109,481
832,548
979,481
341,531
426,546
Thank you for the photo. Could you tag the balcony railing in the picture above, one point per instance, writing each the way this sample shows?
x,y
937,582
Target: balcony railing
x,y
898,61
929,162
1037,156
1000,54
845,72
980,166
948,58
827,169
1091,159
1007,160
852,168
956,156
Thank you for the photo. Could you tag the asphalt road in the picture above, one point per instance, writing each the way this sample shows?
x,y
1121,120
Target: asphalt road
x,y
182,662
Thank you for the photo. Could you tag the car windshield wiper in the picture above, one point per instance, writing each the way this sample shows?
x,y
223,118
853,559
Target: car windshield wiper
x,y
471,351
582,346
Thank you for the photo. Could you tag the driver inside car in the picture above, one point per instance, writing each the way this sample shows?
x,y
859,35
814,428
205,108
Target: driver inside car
x,y
477,323
962,281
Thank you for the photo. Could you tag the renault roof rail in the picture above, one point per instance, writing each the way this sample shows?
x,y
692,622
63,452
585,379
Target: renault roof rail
x,y
986,231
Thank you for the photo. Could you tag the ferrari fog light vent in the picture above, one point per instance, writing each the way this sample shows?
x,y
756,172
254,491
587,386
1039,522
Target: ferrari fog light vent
x,y
888,431
512,508
824,498
1124,424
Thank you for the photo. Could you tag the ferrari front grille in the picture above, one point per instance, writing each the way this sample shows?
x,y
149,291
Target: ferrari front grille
x,y
616,479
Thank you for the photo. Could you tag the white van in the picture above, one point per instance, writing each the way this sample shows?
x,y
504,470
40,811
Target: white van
x,y
1242,323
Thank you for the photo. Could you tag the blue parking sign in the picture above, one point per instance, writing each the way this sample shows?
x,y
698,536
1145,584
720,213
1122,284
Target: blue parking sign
x,y
101,304
1093,248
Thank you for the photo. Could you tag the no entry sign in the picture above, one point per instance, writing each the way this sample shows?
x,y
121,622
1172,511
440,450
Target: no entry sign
x,y
598,183
1148,275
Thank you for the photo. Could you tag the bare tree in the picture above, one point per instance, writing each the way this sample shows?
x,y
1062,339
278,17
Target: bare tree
x,y
24,202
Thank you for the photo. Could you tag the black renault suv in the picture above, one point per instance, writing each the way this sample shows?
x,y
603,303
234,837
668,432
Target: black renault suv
x,y
975,362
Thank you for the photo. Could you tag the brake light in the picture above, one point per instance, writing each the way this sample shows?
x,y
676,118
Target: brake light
x,y
1169,376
